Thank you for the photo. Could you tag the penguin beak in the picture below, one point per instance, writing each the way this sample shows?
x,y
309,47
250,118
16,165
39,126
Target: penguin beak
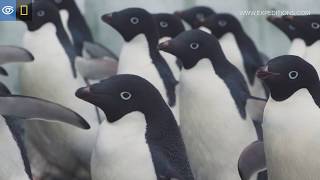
x,y
83,93
164,46
273,18
288,18
263,73
107,18
178,13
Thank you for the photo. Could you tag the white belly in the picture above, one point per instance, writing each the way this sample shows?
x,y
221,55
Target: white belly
x,y
64,14
291,134
12,167
312,55
50,77
211,125
121,152
298,48
134,59
232,51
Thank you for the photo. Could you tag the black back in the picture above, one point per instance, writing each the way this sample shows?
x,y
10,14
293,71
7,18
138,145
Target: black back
x,y
291,31
134,21
192,46
122,94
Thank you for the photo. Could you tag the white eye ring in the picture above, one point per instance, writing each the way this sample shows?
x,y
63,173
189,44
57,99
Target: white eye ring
x,y
125,95
200,16
163,24
194,45
58,1
134,20
315,25
293,74
41,13
292,28
222,23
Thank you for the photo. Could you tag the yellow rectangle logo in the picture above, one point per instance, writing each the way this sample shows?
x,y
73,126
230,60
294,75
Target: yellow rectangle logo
x,y
24,10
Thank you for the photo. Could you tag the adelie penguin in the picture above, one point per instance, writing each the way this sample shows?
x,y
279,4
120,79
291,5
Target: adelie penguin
x,y
79,31
310,27
290,124
139,54
52,76
215,114
14,109
148,142
239,49
298,43
195,16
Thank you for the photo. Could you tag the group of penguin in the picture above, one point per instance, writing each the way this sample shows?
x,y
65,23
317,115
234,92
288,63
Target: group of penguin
x,y
189,97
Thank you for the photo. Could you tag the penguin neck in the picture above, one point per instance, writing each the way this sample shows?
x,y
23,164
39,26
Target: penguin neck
x,y
67,46
315,93
160,121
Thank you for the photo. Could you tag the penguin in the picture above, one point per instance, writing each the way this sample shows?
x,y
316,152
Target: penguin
x,y
52,76
139,54
239,49
310,27
79,31
195,16
14,110
149,145
215,120
169,26
298,44
290,123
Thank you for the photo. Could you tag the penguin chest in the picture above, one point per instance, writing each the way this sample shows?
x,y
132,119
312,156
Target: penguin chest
x,y
298,47
121,151
12,165
292,131
213,130
312,55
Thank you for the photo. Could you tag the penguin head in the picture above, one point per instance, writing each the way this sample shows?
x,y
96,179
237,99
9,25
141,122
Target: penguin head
x,y
168,25
309,26
42,12
286,27
64,4
131,22
192,46
220,24
284,75
195,16
120,95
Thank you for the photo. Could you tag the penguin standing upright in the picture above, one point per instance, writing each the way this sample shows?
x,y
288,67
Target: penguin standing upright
x,y
215,135
239,49
290,124
195,16
53,76
298,44
310,27
139,54
78,30
149,145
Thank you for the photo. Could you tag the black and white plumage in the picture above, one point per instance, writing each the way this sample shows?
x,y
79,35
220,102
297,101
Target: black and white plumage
x,y
195,16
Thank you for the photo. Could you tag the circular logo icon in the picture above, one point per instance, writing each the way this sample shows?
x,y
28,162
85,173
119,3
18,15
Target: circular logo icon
x,y
7,10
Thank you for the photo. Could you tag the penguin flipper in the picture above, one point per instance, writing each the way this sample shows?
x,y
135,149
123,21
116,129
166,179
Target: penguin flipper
x,y
96,69
255,107
3,71
12,54
252,160
95,50
37,109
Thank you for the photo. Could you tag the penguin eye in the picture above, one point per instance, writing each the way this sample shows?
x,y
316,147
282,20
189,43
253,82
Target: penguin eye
x,y
292,28
293,75
200,17
222,23
163,24
315,25
125,95
58,1
41,13
134,20
194,46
